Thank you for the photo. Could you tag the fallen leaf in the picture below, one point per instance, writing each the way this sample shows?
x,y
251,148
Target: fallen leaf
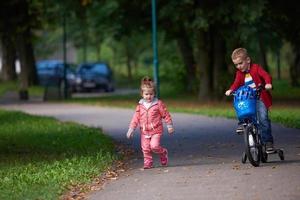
x,y
236,167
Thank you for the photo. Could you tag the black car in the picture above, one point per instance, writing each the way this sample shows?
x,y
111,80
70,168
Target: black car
x,y
51,73
92,76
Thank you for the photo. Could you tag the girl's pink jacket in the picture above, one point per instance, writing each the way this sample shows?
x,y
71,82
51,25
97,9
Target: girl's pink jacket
x,y
150,120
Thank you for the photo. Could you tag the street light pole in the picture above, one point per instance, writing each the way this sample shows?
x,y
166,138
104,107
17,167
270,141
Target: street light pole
x,y
154,45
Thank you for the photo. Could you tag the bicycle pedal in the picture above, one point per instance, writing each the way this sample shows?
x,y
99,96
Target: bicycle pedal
x,y
271,151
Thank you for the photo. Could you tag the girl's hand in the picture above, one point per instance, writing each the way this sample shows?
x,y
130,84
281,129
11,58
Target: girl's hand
x,y
170,130
129,133
268,86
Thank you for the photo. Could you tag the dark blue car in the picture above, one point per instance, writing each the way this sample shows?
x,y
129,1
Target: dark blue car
x,y
51,73
97,75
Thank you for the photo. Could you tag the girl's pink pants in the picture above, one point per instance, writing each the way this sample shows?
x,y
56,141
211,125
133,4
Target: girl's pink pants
x,y
151,143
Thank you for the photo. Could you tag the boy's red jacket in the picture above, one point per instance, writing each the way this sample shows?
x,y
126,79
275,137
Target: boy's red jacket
x,y
260,77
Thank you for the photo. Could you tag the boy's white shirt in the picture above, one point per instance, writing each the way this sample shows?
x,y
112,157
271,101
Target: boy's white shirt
x,y
249,80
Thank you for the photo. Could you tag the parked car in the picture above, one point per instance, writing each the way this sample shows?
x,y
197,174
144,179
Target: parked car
x,y
92,76
51,73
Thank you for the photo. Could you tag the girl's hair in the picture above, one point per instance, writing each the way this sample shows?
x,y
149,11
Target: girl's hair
x,y
239,52
147,83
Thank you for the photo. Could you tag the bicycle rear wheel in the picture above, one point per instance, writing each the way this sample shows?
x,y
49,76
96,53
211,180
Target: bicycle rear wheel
x,y
252,146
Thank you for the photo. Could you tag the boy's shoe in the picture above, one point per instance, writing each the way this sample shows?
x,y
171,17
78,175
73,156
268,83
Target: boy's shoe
x,y
240,129
164,159
270,147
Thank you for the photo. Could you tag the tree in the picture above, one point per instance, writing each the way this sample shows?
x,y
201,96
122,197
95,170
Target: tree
x,y
8,50
284,20
16,28
24,43
174,18
7,41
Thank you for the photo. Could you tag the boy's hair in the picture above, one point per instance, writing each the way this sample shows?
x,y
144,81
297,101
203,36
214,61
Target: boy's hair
x,y
239,52
147,83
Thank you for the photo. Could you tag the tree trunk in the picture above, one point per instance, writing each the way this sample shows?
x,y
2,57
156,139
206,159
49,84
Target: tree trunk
x,y
294,69
278,64
84,51
219,65
203,62
25,49
186,51
30,59
128,61
24,82
263,56
98,50
8,72
135,67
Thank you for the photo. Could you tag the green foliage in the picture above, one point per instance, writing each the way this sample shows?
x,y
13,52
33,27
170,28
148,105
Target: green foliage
x,y
41,157
119,32
208,110
36,91
283,91
287,116
7,86
171,69
13,87
48,42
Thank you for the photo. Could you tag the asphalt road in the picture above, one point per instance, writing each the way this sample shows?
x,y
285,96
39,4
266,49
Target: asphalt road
x,y
204,156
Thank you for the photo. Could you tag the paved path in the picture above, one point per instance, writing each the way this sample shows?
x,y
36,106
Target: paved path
x,y
204,158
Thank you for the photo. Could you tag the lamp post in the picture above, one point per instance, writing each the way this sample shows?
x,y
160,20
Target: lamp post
x,y
154,45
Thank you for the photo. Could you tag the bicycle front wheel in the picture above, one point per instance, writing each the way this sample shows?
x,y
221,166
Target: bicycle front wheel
x,y
252,146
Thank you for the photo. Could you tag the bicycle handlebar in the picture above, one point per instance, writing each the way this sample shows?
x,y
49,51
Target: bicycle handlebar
x,y
259,88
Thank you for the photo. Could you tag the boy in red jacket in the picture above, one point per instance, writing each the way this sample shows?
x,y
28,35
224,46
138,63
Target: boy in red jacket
x,y
253,75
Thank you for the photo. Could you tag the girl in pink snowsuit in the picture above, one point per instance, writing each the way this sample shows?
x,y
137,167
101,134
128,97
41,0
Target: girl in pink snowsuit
x,y
148,115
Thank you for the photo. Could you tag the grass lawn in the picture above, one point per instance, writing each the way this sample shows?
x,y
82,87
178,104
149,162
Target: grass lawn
x,y
7,86
13,86
41,157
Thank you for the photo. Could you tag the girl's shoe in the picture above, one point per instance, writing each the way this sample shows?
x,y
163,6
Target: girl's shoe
x,y
164,159
148,166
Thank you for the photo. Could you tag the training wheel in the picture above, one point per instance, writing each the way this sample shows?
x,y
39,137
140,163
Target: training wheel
x,y
244,158
264,157
281,154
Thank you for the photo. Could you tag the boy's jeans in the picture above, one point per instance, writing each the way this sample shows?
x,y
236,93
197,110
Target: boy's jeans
x,y
264,122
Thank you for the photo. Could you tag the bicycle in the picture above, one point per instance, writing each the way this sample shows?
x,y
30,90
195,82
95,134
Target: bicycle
x,y
245,106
